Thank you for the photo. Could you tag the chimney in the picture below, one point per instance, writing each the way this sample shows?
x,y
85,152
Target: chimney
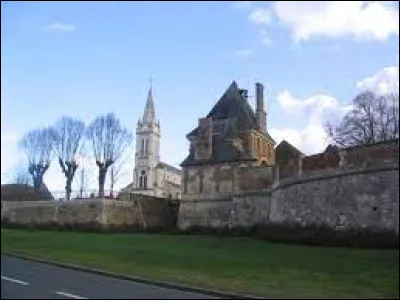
x,y
260,113
259,97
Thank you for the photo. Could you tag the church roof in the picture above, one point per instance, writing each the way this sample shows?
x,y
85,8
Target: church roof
x,y
169,168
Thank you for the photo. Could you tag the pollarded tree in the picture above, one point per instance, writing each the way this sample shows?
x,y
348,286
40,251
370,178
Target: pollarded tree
x,y
108,141
38,146
373,118
68,141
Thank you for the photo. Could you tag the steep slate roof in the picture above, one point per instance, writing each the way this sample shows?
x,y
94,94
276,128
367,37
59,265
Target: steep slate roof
x,y
232,105
241,117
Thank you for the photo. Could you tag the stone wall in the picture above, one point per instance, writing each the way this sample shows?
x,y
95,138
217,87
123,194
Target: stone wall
x,y
139,211
356,187
360,199
217,181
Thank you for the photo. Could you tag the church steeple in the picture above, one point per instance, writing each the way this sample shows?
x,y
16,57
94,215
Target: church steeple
x,y
147,155
149,115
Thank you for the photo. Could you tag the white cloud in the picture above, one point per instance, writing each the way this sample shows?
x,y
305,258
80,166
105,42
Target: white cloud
x,y
310,140
244,53
239,5
315,104
260,16
316,110
384,81
360,19
59,27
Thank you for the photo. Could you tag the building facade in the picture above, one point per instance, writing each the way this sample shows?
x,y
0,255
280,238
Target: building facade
x,y
151,176
229,147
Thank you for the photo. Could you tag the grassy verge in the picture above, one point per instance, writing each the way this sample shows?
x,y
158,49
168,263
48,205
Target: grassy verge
x,y
230,264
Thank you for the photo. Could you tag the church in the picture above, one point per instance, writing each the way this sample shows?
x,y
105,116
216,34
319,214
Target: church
x,y
151,176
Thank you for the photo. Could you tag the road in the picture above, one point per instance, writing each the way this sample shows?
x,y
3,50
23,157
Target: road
x,y
23,279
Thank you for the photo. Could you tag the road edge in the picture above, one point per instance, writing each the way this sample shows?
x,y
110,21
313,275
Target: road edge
x,y
163,284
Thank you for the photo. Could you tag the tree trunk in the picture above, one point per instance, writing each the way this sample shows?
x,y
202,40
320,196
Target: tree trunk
x,y
102,179
68,188
37,182
112,191
82,183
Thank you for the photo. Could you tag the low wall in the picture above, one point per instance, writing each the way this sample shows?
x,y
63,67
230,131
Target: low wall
x,y
141,211
341,199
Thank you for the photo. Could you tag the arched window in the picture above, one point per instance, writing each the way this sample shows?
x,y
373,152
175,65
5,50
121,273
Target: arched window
x,y
143,180
140,182
142,148
146,151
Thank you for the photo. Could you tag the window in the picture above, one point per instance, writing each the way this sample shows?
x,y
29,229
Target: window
x,y
142,148
201,177
143,180
140,182
146,151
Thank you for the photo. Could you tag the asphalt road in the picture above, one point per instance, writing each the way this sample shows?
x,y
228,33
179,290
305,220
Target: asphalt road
x,y
23,279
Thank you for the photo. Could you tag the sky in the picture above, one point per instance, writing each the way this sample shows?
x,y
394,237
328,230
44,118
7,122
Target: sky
x,y
84,59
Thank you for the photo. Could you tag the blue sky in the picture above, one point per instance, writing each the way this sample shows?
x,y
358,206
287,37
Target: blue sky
x,y
88,58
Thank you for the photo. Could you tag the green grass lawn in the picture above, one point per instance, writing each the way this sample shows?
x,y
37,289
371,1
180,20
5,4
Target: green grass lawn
x,y
230,264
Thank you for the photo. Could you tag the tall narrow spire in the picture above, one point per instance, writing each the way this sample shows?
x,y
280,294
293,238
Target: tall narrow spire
x,y
149,115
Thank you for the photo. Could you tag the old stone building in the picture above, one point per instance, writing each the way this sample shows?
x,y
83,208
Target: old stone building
x,y
229,146
151,176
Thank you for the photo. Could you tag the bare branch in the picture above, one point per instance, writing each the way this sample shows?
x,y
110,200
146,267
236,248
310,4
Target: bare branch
x,y
373,119
38,146
68,141
108,140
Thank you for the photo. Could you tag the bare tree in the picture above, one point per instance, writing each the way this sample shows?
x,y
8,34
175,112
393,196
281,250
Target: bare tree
x,y
68,141
108,140
82,180
374,118
20,174
38,146
116,172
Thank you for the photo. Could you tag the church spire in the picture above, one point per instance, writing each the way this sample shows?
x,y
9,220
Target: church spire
x,y
149,115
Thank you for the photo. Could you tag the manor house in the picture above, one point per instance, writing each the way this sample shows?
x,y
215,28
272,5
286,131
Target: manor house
x,y
231,141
